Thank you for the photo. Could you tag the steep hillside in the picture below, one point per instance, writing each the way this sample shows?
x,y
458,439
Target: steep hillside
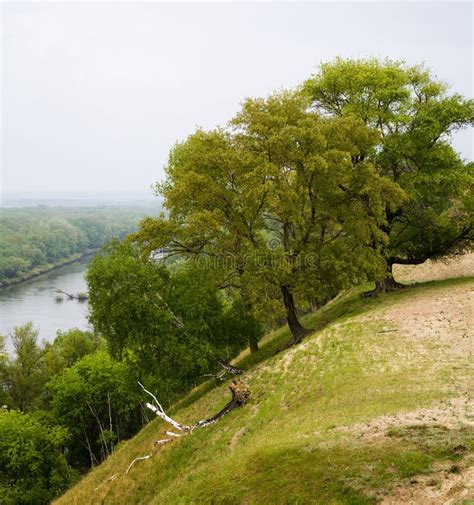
x,y
374,407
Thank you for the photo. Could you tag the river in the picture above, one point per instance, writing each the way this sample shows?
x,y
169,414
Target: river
x,y
35,301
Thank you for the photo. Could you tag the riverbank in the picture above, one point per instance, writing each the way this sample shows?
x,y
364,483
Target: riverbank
x,y
47,268
35,301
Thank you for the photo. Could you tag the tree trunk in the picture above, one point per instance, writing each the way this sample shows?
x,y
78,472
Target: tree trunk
x,y
386,284
253,342
297,330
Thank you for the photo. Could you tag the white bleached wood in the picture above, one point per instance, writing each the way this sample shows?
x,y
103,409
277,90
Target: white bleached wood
x,y
148,456
165,417
152,395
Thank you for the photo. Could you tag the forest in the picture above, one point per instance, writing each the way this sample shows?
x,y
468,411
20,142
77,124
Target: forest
x,y
302,195
35,239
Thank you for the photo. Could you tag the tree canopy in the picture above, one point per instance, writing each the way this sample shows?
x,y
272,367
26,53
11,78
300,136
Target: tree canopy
x,y
415,115
281,203
170,325
32,467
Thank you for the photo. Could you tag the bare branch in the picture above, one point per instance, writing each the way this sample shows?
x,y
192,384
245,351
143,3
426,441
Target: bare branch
x,y
166,418
113,477
229,368
148,456
152,395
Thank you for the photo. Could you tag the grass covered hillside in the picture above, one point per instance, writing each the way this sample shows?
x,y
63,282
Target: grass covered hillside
x,y
373,407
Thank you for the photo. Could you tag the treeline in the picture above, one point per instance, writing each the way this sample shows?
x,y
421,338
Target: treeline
x,y
33,240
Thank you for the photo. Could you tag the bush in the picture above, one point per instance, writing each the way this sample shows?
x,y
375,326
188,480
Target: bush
x,y
32,467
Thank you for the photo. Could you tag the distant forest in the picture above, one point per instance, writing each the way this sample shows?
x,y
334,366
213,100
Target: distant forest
x,y
34,240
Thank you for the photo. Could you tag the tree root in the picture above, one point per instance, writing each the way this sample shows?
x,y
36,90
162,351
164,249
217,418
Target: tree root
x,y
384,286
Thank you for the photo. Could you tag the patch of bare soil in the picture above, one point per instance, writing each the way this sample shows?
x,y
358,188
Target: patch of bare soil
x,y
460,266
235,439
439,326
452,413
449,483
443,487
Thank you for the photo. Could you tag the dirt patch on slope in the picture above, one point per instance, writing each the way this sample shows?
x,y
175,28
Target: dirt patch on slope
x,y
460,266
452,413
443,487
439,326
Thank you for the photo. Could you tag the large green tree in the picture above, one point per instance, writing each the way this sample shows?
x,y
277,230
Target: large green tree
x,y
325,204
415,115
215,193
283,194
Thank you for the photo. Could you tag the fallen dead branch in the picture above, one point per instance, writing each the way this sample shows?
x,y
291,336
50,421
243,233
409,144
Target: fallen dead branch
x,y
141,458
226,370
167,419
229,368
111,478
240,395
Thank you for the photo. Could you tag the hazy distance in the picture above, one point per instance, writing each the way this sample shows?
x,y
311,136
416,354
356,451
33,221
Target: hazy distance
x,y
95,94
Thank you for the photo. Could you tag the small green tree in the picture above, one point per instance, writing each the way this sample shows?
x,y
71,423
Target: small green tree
x,y
24,373
415,116
33,469
68,347
3,369
98,402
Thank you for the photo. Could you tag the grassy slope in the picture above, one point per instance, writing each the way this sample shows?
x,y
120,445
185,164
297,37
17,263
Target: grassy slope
x,y
284,446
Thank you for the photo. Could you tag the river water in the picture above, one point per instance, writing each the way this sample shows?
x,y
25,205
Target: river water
x,y
35,301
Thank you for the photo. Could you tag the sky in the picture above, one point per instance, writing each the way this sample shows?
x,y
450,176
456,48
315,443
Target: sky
x,y
94,94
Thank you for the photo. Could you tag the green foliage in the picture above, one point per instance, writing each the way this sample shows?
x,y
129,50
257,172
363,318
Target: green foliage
x,y
415,116
170,326
96,400
23,375
33,470
3,366
68,347
283,201
32,240
325,203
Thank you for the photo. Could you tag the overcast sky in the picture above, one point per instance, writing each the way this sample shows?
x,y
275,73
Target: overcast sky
x,y
95,94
